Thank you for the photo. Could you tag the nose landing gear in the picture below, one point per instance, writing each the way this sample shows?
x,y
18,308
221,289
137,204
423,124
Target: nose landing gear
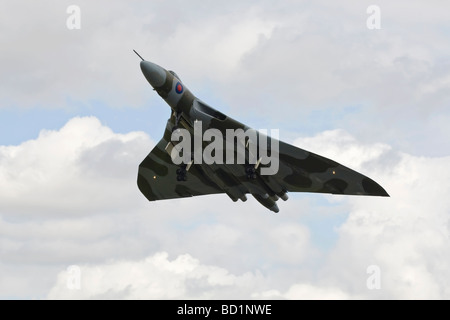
x,y
177,121
251,172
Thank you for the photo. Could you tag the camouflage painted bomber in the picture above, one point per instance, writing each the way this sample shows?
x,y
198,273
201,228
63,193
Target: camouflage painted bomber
x,y
299,170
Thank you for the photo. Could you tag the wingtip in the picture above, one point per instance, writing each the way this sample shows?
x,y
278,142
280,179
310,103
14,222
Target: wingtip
x,y
374,189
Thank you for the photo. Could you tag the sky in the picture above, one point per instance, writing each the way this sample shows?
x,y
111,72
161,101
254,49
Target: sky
x,y
77,117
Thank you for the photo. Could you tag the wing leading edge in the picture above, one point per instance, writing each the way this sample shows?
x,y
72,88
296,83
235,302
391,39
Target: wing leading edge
x,y
304,171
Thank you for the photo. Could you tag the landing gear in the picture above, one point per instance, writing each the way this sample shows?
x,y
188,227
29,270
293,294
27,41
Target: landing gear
x,y
251,172
181,173
177,121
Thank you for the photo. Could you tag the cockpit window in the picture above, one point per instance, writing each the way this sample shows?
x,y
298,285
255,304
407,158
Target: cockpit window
x,y
174,74
204,108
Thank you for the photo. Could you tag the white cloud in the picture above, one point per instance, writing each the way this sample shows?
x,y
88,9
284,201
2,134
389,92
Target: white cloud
x,y
407,236
46,64
256,254
344,148
156,277
305,60
305,291
71,169
107,227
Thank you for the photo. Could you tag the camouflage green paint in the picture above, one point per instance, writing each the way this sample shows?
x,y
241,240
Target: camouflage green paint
x,y
299,170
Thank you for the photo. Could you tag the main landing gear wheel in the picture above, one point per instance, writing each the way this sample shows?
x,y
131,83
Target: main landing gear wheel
x,y
177,121
181,173
251,172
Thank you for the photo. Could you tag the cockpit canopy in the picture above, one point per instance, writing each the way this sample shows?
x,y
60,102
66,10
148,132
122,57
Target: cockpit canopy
x,y
174,74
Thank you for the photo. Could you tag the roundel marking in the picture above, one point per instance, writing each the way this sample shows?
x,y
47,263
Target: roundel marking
x,y
179,88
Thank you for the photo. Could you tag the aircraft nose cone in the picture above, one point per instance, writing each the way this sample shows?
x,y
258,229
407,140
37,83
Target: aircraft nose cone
x,y
154,74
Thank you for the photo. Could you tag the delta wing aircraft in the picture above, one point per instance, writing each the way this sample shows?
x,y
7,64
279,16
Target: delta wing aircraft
x,y
207,167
